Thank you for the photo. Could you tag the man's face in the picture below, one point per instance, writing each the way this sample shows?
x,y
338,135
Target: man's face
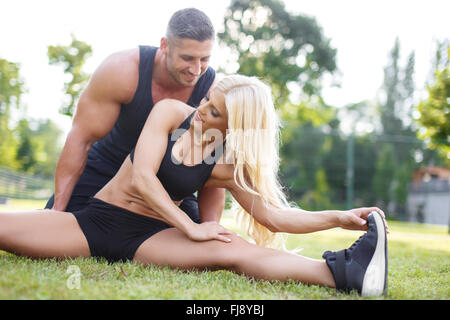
x,y
187,60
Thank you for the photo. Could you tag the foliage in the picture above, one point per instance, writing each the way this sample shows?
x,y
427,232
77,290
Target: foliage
x,y
38,146
289,52
397,89
11,90
72,58
26,151
280,47
7,144
395,160
384,173
25,145
435,110
11,86
47,137
319,197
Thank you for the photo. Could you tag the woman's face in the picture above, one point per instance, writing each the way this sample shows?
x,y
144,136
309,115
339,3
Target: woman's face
x,y
212,112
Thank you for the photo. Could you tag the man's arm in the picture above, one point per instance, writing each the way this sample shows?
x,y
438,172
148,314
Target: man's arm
x,y
97,111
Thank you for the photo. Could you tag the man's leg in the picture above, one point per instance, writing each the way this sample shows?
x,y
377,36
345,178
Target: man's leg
x,y
50,202
190,207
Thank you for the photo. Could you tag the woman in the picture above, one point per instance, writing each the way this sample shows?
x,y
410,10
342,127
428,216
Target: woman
x,y
180,150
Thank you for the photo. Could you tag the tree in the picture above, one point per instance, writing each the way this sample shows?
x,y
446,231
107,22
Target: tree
x,y
435,111
48,146
72,58
11,86
319,198
398,89
301,159
291,54
384,174
303,145
38,146
26,150
397,140
11,90
283,48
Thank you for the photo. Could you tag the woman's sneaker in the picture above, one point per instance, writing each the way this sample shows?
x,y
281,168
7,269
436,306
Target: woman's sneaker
x,y
363,266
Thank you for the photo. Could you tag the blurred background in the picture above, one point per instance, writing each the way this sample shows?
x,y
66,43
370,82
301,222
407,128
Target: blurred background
x,y
362,87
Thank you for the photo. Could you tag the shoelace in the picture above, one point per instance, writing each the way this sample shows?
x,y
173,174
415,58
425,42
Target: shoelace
x,y
357,242
346,251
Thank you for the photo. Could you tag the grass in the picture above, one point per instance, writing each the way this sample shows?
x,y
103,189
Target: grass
x,y
419,268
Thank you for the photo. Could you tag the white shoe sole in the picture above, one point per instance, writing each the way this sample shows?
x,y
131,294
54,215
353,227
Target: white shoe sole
x,y
375,278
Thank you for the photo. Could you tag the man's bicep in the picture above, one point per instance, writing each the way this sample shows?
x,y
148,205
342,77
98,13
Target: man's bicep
x,y
95,118
100,102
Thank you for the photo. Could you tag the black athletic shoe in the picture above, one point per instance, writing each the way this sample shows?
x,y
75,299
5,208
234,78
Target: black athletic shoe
x,y
363,266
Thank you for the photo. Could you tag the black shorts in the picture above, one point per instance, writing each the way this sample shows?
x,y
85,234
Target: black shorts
x,y
115,233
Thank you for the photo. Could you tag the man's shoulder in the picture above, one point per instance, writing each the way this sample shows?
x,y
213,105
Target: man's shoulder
x,y
123,60
117,76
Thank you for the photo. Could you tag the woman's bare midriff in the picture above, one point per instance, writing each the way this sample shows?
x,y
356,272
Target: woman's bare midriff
x,y
120,192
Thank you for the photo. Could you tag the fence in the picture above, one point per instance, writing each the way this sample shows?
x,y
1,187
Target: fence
x,y
23,186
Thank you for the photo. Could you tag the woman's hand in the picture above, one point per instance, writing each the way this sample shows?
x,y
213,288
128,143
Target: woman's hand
x,y
209,230
356,219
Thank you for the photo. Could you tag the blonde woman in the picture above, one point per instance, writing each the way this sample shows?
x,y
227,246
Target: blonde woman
x,y
230,141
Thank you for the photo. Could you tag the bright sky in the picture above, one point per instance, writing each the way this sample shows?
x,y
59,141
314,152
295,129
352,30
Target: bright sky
x,y
362,31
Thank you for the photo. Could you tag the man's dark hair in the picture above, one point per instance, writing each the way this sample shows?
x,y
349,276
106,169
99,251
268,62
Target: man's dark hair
x,y
190,23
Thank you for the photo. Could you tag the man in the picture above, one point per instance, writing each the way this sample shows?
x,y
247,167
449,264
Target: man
x,y
113,108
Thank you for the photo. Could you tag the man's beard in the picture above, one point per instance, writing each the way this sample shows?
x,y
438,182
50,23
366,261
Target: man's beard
x,y
177,79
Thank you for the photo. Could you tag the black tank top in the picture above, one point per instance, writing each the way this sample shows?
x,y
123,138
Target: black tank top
x,y
178,179
107,155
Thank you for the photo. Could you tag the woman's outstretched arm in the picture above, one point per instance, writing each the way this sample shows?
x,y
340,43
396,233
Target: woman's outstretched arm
x,y
295,220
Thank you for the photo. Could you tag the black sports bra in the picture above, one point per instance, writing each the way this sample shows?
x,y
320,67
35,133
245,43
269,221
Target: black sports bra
x,y
178,179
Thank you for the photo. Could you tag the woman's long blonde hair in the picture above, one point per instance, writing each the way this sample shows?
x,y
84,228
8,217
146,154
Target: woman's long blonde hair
x,y
252,143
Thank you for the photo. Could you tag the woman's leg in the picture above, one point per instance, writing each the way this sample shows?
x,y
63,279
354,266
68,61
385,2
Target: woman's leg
x,y
42,234
172,247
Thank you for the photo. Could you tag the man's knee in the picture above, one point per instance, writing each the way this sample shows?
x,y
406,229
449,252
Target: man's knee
x,y
50,202
190,207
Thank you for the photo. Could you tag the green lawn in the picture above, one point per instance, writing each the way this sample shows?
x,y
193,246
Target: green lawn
x,y
419,268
